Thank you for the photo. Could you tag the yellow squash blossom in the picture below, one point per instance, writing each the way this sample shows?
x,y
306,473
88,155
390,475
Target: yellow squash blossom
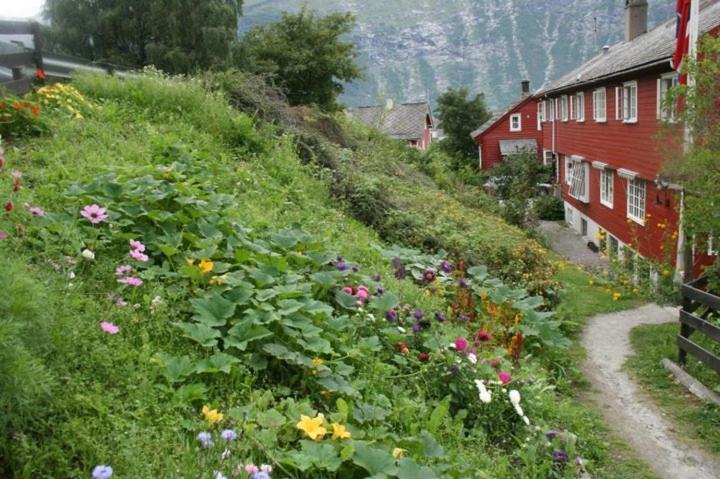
x,y
398,453
339,431
206,266
317,362
312,426
212,415
218,280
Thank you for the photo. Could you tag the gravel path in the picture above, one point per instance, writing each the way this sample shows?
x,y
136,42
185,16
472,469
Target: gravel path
x,y
625,408
570,245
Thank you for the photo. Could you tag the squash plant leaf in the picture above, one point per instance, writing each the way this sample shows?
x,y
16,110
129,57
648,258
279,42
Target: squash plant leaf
x,y
213,310
204,335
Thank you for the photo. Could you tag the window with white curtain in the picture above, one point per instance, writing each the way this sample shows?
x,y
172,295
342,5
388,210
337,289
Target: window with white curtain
x,y
629,97
600,105
606,187
636,200
580,107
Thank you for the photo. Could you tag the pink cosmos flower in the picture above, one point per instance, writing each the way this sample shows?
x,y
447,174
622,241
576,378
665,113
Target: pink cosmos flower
x,y
36,211
123,270
94,213
16,174
251,469
3,235
348,290
109,328
120,303
137,246
138,255
362,294
131,281
461,344
504,377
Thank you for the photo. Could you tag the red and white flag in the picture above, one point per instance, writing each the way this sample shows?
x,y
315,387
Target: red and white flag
x,y
688,13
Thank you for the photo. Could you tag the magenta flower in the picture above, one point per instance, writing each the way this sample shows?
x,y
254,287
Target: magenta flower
x,y
483,336
36,211
3,235
461,344
138,255
121,303
109,328
504,377
348,290
362,294
94,213
123,270
131,281
137,246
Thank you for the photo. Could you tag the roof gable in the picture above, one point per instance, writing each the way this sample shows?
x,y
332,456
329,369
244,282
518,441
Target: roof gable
x,y
499,117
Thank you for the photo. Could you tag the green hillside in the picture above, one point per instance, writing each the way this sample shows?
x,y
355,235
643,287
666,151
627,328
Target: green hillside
x,y
185,295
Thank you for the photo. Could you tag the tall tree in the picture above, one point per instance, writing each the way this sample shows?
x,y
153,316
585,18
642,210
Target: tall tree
x,y
177,36
459,116
305,55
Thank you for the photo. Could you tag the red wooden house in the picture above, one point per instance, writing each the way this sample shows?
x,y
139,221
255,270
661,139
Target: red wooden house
x,y
408,122
515,130
601,122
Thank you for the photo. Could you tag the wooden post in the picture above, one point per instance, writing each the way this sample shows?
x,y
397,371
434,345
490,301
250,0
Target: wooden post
x,y
685,330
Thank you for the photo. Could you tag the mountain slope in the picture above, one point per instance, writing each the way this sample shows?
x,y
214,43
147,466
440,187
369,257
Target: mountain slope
x,y
414,48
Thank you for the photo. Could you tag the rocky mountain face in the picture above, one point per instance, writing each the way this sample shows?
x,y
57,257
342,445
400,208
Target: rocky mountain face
x,y
413,49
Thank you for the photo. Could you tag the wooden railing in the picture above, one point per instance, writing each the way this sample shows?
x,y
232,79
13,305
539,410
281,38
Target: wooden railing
x,y
698,306
18,61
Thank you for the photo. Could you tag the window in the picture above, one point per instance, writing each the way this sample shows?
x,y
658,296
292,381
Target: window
x,y
564,108
600,105
516,122
568,170
580,107
629,97
578,186
541,112
636,200
547,157
583,227
572,107
712,246
665,84
618,93
606,187
613,246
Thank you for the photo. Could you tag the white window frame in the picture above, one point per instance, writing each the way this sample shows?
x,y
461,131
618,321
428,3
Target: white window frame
x,y
540,115
630,102
518,117
600,106
607,187
580,180
712,247
636,200
664,84
564,108
569,164
580,107
618,94
547,157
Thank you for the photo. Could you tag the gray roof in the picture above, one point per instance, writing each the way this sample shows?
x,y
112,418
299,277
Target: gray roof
x,y
512,147
405,121
651,49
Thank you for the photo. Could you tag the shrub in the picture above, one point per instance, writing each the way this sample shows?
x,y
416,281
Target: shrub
x,y
550,208
20,117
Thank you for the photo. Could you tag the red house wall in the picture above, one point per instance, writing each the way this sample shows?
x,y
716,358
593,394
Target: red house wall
x,y
490,139
631,146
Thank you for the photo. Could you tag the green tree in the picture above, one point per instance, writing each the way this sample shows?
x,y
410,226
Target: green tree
x,y
459,116
517,177
698,168
176,36
305,55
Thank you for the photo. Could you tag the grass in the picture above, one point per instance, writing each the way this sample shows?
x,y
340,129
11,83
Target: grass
x,y
694,418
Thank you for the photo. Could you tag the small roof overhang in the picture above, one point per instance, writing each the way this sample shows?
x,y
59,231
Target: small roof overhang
x,y
514,147
599,165
628,174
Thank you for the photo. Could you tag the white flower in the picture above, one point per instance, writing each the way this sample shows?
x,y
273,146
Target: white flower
x,y
219,475
515,401
71,275
472,358
156,300
401,329
485,395
226,454
87,254
527,421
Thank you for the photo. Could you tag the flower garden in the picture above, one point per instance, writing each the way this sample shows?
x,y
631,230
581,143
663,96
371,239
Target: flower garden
x,y
183,298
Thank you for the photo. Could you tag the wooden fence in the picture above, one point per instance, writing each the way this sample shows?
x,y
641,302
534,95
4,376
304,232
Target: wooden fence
x,y
698,306
18,61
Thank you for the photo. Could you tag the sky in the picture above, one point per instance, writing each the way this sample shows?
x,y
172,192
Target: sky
x,y
20,8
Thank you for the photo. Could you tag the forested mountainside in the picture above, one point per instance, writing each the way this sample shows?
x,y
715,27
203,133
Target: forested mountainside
x,y
414,48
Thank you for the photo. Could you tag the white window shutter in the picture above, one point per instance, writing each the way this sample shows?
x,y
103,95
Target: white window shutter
x,y
659,98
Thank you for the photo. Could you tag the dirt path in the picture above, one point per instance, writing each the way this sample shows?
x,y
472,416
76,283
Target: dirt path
x,y
626,410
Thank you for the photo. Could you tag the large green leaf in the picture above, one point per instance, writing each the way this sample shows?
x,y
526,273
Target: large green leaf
x,y
218,362
336,383
243,333
213,310
384,303
177,367
432,447
281,352
375,461
409,469
204,335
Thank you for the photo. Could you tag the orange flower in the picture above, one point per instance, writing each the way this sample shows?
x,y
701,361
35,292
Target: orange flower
x,y
17,106
40,73
35,111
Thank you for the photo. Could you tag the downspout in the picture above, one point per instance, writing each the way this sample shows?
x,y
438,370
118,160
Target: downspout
x,y
680,254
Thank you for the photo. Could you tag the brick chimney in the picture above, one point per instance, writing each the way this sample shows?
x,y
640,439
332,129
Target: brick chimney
x,y
525,88
636,19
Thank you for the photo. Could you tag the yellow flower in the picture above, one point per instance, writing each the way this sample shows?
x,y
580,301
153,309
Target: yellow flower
x,y
218,280
212,415
190,261
398,453
206,266
317,362
339,431
312,427
616,296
